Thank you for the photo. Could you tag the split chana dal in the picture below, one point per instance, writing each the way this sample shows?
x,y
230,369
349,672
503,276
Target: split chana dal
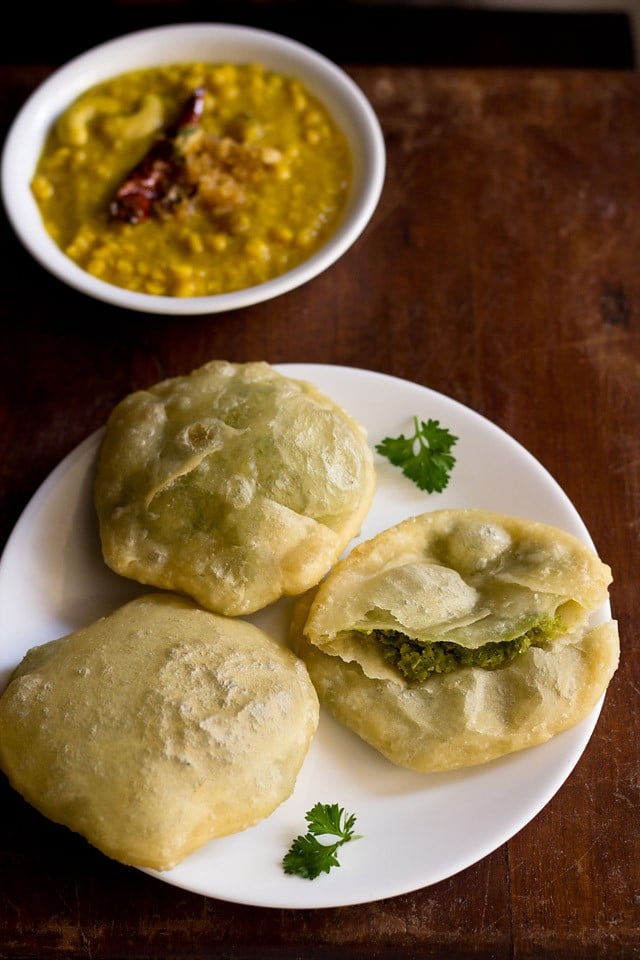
x,y
231,175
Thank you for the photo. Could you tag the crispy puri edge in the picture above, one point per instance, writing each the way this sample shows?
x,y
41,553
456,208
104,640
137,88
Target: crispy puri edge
x,y
332,672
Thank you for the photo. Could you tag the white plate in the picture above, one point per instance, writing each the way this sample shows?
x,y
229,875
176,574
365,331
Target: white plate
x,y
417,829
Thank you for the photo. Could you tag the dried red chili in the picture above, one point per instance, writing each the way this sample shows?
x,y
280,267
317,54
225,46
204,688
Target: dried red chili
x,y
154,177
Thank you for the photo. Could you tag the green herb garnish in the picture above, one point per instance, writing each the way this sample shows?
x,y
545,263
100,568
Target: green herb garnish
x,y
307,856
425,457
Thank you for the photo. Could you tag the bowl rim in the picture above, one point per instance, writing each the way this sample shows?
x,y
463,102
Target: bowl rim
x,y
339,92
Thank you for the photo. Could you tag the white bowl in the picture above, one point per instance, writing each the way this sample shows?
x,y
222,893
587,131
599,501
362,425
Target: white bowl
x,y
209,42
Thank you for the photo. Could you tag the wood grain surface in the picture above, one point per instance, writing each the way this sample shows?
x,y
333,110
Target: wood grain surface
x,y
502,268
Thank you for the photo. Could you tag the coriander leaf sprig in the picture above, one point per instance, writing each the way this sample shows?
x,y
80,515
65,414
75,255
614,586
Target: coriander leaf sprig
x,y
425,457
308,857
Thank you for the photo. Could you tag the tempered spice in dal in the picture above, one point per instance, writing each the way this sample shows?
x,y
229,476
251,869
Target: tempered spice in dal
x,y
263,179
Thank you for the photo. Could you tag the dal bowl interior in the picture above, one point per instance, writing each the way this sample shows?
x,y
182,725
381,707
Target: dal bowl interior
x,y
194,42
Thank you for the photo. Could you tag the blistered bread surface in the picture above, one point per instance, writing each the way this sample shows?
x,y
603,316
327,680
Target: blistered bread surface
x,y
234,485
460,579
157,728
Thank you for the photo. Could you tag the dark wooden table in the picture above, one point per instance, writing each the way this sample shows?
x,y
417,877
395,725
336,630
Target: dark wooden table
x,y
502,268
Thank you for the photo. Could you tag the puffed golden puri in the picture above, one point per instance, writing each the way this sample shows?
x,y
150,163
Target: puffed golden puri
x,y
157,728
234,485
459,636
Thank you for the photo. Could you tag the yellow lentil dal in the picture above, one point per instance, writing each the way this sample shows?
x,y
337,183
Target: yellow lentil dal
x,y
269,174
